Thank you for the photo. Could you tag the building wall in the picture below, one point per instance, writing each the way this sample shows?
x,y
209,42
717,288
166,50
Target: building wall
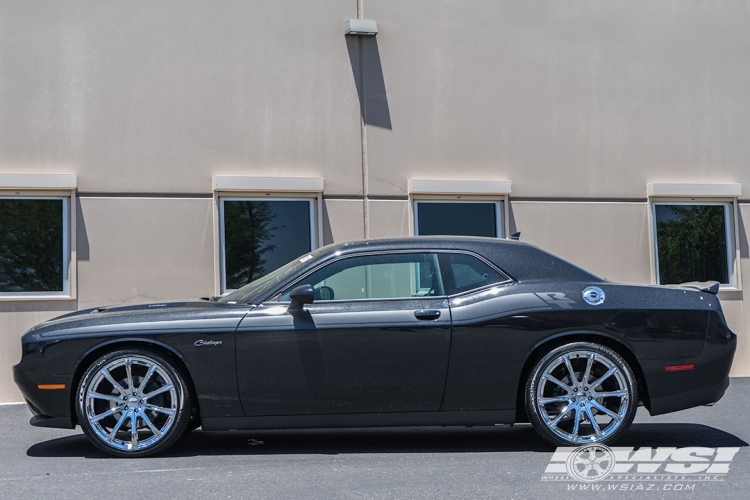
x,y
579,103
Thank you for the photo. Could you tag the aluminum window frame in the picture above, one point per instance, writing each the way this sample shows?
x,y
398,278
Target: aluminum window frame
x,y
313,201
730,234
69,287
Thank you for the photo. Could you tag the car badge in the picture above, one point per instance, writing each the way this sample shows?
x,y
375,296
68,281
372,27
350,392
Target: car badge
x,y
593,295
211,343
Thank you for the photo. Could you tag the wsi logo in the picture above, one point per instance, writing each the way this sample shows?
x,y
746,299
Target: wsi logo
x,y
597,462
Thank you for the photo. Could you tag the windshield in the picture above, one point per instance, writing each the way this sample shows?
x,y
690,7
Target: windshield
x,y
247,293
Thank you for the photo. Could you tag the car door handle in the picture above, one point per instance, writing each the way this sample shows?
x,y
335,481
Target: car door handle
x,y
427,314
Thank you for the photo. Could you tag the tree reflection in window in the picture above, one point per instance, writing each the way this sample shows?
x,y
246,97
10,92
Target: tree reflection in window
x,y
31,245
260,236
692,243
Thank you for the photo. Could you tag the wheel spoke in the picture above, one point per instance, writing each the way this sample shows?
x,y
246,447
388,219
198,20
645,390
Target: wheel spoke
x,y
604,377
116,428
587,371
167,411
106,397
552,379
150,424
108,413
151,370
112,381
610,394
133,430
161,389
554,399
603,409
576,423
562,414
594,423
571,372
129,372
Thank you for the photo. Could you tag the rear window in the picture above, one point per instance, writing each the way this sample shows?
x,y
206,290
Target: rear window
x,y
462,272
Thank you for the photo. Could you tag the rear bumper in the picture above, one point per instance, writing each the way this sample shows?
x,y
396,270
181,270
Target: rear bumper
x,y
705,384
683,400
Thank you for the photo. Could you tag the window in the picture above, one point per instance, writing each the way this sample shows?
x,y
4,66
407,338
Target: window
x,y
385,276
693,242
462,218
259,235
463,272
34,246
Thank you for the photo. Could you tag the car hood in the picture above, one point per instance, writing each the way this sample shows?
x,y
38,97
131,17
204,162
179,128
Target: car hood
x,y
121,317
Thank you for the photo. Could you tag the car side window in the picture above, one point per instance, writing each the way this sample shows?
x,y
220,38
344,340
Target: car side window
x,y
462,272
381,276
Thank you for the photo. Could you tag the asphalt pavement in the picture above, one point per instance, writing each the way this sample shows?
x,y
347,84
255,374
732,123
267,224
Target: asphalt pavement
x,y
394,463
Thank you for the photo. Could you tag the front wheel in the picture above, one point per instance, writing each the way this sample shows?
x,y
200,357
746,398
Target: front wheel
x,y
581,393
133,403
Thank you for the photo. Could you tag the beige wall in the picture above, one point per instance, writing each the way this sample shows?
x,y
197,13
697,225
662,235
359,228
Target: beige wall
x,y
146,96
579,104
566,98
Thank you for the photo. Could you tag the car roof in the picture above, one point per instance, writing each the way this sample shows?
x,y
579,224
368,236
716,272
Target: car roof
x,y
521,261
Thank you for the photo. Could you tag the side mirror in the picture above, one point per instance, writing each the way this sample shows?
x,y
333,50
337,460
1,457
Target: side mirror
x,y
303,294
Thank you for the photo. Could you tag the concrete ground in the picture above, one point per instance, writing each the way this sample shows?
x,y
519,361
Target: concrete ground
x,y
409,463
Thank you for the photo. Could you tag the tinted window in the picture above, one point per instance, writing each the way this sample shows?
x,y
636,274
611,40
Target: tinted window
x,y
262,235
457,218
463,272
32,243
692,243
375,277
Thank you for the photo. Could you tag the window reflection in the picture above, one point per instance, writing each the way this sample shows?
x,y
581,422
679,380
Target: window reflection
x,y
262,235
692,243
31,245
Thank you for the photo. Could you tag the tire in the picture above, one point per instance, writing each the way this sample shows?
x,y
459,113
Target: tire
x,y
581,393
194,422
127,386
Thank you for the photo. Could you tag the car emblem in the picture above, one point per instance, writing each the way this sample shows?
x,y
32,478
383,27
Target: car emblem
x,y
199,343
593,295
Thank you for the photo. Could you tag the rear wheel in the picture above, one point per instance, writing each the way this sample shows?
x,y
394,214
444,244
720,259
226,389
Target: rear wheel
x,y
133,403
581,393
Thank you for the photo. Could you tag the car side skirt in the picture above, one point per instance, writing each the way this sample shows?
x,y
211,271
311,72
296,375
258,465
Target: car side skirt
x,y
484,417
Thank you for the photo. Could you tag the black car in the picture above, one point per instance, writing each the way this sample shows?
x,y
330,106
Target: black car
x,y
396,332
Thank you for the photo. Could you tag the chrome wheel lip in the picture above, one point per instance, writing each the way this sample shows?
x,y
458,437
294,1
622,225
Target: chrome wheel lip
x,y
129,403
582,398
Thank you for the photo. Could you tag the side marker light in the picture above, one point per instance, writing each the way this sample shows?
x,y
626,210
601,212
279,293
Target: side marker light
x,y
679,368
51,387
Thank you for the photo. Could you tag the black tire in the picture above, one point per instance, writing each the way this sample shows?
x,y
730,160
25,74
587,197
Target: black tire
x,y
194,422
127,386
554,400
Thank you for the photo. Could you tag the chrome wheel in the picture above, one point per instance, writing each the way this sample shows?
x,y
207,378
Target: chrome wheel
x,y
131,403
581,393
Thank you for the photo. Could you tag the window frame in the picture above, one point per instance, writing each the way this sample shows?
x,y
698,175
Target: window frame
x,y
274,297
313,201
730,231
69,263
500,202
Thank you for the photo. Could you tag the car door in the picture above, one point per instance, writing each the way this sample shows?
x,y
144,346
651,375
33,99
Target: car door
x,y
376,339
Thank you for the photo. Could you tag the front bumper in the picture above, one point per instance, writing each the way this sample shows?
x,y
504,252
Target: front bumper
x,y
50,408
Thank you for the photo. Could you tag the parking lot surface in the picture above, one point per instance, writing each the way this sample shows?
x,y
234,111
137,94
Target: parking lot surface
x,y
433,462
